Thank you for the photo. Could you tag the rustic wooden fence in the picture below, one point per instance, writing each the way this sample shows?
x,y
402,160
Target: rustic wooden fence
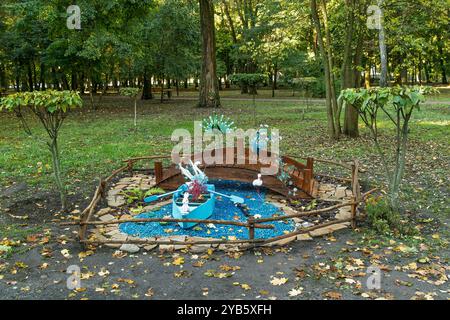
x,y
251,224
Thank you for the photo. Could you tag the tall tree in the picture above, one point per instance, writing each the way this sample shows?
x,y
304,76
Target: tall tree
x,y
327,58
209,85
383,50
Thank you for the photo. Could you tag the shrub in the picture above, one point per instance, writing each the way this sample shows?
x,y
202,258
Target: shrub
x,y
51,108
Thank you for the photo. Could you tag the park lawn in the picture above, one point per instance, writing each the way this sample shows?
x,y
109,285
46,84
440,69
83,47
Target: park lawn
x,y
93,143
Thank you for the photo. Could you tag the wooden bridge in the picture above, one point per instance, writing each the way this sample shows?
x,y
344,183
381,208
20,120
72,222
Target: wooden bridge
x,y
245,169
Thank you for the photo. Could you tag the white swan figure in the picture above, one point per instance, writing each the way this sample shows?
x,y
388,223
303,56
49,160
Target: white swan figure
x,y
185,172
258,182
198,174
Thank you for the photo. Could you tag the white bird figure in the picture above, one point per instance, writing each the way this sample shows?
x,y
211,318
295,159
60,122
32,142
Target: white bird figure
x,y
185,206
198,174
258,182
185,172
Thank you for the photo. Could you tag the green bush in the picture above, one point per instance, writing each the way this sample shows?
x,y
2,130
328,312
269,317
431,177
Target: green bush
x,y
384,220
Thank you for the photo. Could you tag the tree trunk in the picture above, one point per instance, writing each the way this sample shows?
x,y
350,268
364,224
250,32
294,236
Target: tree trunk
x,y
332,130
274,81
347,71
442,64
209,86
383,50
57,172
30,78
147,90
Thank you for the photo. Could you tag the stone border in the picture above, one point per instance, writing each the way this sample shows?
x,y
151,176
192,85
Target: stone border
x,y
116,201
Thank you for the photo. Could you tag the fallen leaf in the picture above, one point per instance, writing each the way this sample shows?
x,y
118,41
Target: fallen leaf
x,y
295,292
278,281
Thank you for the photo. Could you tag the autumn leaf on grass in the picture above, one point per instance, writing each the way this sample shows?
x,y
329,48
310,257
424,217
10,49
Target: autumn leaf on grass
x,y
333,295
198,263
149,293
278,281
182,274
129,281
21,265
43,266
245,286
85,254
103,272
32,238
119,254
87,275
65,253
225,267
178,261
300,273
295,292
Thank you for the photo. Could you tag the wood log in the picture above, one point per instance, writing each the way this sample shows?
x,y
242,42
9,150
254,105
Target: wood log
x,y
148,220
305,213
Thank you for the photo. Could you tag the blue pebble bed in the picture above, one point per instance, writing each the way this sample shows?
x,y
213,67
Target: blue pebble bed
x,y
224,210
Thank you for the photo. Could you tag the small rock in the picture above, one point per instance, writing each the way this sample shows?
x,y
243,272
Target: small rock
x,y
285,241
126,217
304,237
119,237
166,247
116,201
340,192
150,247
128,247
307,224
199,248
327,230
107,217
103,211
113,232
344,213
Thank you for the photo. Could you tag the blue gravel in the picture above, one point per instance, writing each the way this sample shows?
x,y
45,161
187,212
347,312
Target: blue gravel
x,y
224,210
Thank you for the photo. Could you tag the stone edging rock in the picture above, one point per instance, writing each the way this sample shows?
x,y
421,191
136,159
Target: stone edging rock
x,y
326,192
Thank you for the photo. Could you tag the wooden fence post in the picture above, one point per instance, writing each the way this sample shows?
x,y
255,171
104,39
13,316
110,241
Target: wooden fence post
x,y
251,228
356,192
158,171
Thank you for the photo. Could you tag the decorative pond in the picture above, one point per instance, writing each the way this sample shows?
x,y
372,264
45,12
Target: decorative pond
x,y
224,210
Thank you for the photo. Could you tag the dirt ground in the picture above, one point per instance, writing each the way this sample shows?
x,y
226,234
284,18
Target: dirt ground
x,y
334,267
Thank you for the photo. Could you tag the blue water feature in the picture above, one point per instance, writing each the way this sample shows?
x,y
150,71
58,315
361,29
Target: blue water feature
x,y
224,210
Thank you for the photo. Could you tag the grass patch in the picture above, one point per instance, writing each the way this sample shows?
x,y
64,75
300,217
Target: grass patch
x,y
93,143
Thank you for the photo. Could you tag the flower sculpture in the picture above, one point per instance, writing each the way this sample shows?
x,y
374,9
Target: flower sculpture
x,y
216,123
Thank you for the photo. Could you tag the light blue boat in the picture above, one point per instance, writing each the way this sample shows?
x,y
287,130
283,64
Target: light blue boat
x,y
202,210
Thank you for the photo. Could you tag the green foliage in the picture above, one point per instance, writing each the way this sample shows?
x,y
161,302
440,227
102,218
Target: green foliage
x,y
51,108
369,101
129,92
398,104
50,101
384,220
250,79
155,190
137,194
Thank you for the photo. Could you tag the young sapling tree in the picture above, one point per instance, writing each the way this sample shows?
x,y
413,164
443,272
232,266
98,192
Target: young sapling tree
x,y
132,93
51,108
398,104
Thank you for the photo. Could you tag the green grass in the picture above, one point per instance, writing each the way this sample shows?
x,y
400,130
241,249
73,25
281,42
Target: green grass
x,y
13,235
93,143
